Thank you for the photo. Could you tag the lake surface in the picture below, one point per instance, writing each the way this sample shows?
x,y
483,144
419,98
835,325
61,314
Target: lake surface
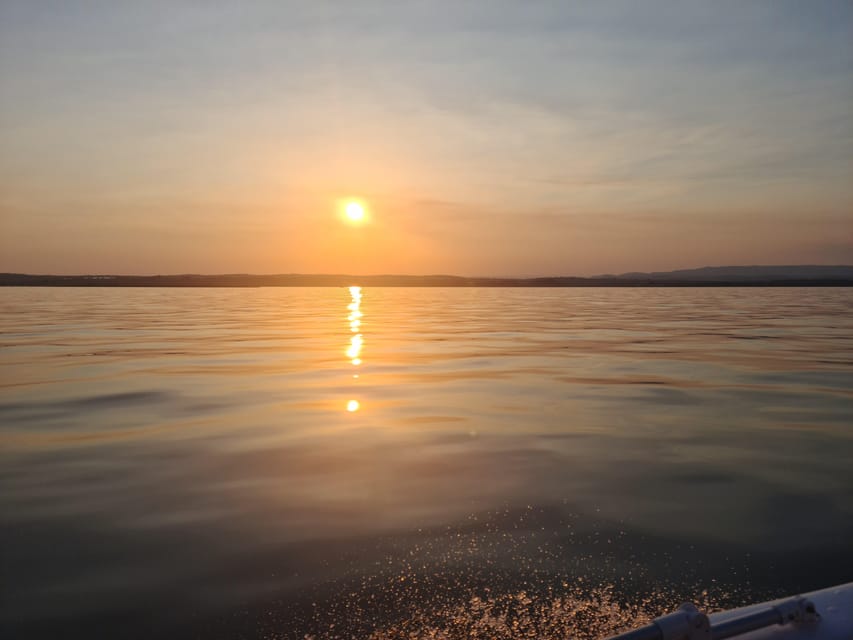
x,y
483,463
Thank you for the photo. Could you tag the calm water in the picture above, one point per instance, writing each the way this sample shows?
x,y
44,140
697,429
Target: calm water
x,y
481,462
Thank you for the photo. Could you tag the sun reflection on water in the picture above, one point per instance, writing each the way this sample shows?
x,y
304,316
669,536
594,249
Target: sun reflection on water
x,y
357,340
355,348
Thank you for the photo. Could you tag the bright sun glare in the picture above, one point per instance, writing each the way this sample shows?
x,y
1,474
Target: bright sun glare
x,y
354,211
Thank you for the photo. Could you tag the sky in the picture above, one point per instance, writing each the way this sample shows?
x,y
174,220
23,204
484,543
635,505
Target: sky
x,y
483,138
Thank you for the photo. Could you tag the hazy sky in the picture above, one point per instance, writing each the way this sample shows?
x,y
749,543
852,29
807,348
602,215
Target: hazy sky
x,y
486,138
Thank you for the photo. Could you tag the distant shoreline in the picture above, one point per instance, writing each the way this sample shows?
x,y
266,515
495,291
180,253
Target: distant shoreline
x,y
305,280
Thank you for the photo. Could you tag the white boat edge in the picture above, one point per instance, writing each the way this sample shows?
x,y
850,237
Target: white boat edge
x,y
834,605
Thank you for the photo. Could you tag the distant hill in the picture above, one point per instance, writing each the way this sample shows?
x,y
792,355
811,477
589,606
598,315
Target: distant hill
x,y
798,275
788,272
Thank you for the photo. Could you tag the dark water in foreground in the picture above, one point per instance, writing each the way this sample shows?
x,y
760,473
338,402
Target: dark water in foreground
x,y
485,463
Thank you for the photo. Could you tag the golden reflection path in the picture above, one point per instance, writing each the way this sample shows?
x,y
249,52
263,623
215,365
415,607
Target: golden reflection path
x,y
356,340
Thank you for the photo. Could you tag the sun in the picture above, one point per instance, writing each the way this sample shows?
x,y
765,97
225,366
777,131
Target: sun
x,y
354,211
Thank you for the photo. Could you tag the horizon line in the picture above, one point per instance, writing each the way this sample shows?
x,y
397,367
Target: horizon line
x,y
421,275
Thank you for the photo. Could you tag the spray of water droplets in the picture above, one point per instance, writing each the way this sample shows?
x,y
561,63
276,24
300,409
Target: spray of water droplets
x,y
501,576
